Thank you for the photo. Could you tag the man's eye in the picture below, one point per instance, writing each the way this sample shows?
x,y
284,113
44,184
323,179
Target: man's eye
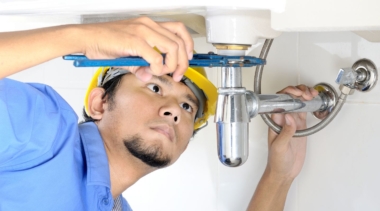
x,y
187,107
155,88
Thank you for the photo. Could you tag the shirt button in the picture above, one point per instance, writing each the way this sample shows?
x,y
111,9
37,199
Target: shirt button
x,y
105,201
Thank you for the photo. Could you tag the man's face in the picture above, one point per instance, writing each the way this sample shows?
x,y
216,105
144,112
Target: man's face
x,y
152,121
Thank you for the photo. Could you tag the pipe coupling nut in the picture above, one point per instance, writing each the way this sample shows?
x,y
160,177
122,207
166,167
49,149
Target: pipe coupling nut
x,y
346,90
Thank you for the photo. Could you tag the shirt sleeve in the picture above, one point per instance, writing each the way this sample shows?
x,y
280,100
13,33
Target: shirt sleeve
x,y
34,120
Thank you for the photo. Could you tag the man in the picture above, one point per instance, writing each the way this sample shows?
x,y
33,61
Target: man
x,y
59,165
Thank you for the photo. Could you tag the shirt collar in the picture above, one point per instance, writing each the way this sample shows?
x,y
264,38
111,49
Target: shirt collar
x,y
96,158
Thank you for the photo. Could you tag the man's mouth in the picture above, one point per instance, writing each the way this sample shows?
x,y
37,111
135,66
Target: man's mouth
x,y
166,131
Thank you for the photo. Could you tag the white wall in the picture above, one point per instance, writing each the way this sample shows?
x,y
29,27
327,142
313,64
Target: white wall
x,y
341,170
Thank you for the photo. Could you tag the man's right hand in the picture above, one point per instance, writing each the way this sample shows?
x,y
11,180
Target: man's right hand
x,y
20,50
137,37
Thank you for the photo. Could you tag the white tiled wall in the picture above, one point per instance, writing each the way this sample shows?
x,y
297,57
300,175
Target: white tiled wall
x,y
341,170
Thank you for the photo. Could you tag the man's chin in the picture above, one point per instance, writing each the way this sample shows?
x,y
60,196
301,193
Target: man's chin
x,y
151,156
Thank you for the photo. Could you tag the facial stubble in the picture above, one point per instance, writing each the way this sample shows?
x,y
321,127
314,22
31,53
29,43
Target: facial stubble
x,y
150,155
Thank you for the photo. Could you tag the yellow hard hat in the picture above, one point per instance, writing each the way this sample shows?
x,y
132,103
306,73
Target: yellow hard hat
x,y
204,90
198,76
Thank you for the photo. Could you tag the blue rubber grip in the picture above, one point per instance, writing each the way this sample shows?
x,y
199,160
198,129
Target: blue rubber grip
x,y
110,62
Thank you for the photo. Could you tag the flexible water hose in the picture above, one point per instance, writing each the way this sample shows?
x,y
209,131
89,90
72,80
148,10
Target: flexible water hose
x,y
275,127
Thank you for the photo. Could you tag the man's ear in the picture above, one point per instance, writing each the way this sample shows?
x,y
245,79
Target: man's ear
x,y
96,103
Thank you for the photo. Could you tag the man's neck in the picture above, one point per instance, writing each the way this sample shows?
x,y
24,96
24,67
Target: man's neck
x,y
125,171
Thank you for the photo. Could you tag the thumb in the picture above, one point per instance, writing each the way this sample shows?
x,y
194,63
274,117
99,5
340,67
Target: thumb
x,y
287,131
143,74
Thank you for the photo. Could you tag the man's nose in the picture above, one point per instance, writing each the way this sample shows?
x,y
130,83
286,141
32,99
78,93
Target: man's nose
x,y
171,111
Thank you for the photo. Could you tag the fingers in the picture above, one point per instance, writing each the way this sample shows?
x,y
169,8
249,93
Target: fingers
x,y
185,45
143,73
278,119
300,91
287,132
291,122
313,91
306,94
180,30
137,37
172,39
145,50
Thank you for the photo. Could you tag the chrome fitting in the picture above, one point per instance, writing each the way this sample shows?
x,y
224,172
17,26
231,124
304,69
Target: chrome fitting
x,y
252,103
362,76
367,75
329,98
232,119
346,90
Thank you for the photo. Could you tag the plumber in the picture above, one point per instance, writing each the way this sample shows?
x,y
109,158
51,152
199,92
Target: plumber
x,y
50,162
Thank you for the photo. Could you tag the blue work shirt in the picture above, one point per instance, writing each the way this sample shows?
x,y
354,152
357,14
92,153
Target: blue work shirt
x,y
47,160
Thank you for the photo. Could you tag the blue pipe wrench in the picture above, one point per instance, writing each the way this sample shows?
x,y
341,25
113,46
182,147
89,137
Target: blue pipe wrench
x,y
199,60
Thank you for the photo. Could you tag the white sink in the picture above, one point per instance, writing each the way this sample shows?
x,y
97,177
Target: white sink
x,y
235,22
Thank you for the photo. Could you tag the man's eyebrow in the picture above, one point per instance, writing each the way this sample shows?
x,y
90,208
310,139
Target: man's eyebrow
x,y
163,80
192,100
